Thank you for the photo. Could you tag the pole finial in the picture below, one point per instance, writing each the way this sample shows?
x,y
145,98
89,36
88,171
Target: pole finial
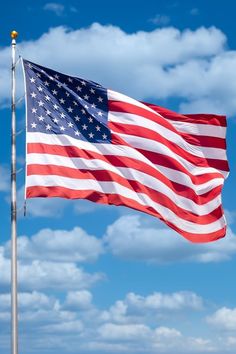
x,y
14,34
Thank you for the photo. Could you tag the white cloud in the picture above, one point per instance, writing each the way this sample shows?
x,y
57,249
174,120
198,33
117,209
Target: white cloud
x,y
111,331
70,327
59,245
136,308
33,301
160,20
42,274
55,7
192,65
78,329
78,300
131,237
224,319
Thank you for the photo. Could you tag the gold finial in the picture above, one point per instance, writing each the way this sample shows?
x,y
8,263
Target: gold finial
x,y
14,34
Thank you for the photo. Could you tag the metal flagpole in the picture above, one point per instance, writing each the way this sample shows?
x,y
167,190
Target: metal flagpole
x,y
14,309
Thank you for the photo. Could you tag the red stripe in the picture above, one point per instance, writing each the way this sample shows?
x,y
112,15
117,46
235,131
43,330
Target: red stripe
x,y
205,141
122,161
208,119
114,199
136,186
151,135
124,107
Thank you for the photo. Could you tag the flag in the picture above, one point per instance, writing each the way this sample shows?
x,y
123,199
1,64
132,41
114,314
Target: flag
x,y
88,142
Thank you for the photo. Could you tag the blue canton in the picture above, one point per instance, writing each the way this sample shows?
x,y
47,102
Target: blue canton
x,y
62,104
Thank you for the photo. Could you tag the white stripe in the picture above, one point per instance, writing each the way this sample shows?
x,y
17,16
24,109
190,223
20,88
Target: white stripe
x,y
119,150
200,151
182,178
115,188
185,127
155,146
128,174
215,131
116,96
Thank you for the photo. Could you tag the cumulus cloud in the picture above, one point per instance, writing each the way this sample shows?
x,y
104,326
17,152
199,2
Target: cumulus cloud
x,y
224,319
38,274
59,245
51,323
131,237
136,308
78,300
124,332
194,66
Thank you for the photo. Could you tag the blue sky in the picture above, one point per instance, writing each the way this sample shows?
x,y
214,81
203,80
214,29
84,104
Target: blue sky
x,y
102,279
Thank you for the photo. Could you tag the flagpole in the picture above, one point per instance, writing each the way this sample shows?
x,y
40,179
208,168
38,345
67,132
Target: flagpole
x,y
14,309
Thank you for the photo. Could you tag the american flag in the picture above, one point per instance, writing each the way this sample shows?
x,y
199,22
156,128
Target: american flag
x,y
88,142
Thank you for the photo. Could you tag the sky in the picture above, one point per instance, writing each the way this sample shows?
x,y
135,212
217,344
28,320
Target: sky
x,y
104,279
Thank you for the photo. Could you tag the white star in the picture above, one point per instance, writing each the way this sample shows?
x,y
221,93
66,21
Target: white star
x,y
83,83
48,127
48,112
70,109
55,106
59,85
92,90
90,120
40,88
67,94
55,120
32,80
83,111
100,99
93,105
86,97
34,110
33,95
91,135
62,128
33,125
41,118
47,98
39,75
70,79
70,125
40,103
77,133
84,126
99,113
104,136
78,88
54,92
77,118
56,77
98,128
46,83
62,115
75,103
30,66
62,101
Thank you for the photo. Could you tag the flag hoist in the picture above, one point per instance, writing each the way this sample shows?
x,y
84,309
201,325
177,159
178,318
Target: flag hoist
x,y
14,309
